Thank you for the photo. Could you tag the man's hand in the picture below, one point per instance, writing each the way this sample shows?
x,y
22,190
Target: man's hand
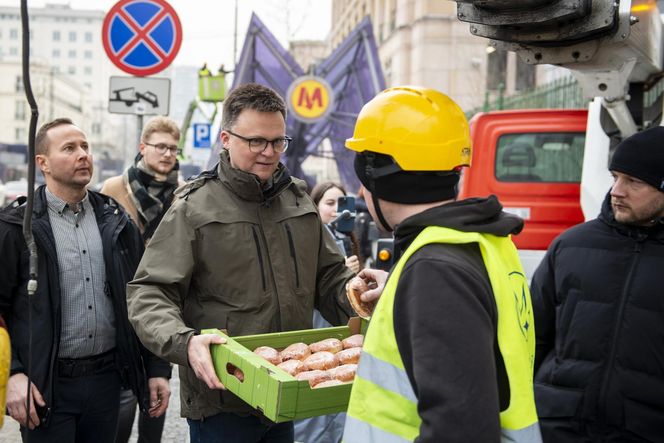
x,y
160,393
17,390
200,360
353,263
376,279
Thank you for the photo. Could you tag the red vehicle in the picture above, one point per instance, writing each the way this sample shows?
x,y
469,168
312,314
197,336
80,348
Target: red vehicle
x,y
532,160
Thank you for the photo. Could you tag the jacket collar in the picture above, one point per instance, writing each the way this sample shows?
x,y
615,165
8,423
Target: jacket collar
x,y
247,185
639,233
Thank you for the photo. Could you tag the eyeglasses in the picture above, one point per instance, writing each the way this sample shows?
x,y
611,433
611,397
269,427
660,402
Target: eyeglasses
x,y
161,148
259,144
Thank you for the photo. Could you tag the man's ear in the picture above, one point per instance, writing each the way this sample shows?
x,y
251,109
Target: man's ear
x,y
224,137
142,148
42,163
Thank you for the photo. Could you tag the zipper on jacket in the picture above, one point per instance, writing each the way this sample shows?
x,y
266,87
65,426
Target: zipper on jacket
x,y
602,412
260,256
291,245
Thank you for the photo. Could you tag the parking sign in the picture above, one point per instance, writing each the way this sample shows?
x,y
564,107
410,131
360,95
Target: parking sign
x,y
202,135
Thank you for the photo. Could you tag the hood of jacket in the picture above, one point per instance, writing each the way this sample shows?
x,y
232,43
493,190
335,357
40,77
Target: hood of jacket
x,y
655,232
483,215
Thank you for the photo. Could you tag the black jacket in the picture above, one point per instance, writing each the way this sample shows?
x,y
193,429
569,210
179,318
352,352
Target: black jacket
x,y
598,300
123,247
445,322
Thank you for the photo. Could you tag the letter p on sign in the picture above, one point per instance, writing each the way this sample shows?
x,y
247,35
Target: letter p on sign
x,y
202,135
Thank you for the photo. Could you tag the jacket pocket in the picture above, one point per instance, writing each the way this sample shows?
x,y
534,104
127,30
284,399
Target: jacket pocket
x,y
556,401
259,254
293,254
644,420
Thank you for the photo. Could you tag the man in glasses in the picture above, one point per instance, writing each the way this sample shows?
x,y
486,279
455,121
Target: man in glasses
x,y
145,190
242,249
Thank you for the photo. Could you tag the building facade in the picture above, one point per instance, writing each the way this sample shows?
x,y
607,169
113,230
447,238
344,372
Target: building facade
x,y
69,74
422,42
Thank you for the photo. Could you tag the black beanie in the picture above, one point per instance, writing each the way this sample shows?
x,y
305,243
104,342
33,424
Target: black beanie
x,y
642,156
404,186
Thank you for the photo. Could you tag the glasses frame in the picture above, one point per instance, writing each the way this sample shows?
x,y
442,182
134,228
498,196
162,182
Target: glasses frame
x,y
286,138
175,153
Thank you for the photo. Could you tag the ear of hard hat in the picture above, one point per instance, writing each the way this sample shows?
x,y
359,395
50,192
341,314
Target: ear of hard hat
x,y
642,156
420,128
406,187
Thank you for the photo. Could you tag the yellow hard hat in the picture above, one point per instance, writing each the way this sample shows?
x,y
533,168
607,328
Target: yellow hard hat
x,y
420,128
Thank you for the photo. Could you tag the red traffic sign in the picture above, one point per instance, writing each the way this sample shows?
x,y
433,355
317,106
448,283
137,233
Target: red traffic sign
x,y
142,37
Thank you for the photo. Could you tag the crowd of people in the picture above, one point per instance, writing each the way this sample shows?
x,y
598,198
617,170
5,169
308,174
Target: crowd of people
x,y
456,350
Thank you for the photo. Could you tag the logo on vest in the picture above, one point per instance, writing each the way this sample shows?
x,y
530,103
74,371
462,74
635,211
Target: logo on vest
x,y
521,299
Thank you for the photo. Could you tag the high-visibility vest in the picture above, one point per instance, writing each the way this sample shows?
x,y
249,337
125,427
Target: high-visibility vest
x,y
383,405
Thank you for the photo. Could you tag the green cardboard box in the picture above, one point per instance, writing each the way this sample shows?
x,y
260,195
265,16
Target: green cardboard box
x,y
272,391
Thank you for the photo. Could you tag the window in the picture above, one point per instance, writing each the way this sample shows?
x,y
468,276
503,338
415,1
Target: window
x,y
56,36
72,36
72,53
87,70
18,86
88,37
87,54
13,34
496,70
56,53
19,135
96,129
56,69
72,70
525,75
541,157
19,110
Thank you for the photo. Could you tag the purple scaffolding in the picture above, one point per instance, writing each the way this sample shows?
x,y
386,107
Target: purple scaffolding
x,y
353,71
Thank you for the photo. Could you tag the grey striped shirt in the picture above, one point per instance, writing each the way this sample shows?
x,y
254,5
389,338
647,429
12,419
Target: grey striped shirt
x,y
88,319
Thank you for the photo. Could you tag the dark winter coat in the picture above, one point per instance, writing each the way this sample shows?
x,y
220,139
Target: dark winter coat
x,y
122,246
599,318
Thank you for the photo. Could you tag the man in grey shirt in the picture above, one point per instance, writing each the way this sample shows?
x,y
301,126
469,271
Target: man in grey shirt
x,y
78,348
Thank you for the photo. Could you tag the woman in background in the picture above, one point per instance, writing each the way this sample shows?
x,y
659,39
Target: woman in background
x,y
326,195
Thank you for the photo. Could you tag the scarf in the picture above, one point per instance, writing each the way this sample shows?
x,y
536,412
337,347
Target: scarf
x,y
152,197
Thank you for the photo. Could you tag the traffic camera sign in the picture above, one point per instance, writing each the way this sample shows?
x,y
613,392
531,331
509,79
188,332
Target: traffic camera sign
x,y
142,37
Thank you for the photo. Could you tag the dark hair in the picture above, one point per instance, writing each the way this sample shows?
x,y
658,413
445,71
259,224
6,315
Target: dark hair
x,y
321,188
41,145
251,96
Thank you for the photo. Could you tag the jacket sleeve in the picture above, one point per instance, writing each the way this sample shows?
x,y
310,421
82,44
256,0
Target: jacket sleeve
x,y
331,277
12,246
155,296
543,293
445,329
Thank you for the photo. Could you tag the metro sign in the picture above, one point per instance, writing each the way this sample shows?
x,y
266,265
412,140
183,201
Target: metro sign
x,y
310,98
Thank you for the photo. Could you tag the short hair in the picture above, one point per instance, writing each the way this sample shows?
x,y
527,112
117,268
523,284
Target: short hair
x,y
160,124
41,141
251,96
321,188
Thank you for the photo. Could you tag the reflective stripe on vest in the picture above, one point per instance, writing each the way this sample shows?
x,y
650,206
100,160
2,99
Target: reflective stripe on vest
x,y
387,376
380,404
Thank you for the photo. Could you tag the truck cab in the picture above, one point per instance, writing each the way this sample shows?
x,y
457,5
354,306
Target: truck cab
x,y
531,159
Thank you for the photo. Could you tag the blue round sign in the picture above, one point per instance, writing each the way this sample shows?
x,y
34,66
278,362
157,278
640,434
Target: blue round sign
x,y
142,37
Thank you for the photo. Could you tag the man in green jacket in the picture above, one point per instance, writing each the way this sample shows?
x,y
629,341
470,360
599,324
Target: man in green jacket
x,y
243,249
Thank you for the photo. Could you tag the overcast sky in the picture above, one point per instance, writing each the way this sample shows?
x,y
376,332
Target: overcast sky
x,y
208,25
